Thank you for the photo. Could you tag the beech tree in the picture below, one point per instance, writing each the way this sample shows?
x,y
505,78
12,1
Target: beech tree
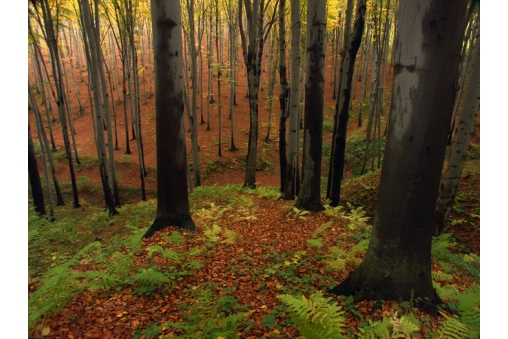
x,y
343,103
310,193
35,179
460,142
397,264
172,196
292,180
252,48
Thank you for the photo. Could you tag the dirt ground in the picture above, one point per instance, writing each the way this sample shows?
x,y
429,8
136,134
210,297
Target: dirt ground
x,y
227,169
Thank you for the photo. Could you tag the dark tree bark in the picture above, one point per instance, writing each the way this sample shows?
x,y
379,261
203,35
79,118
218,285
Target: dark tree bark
x,y
35,179
283,96
397,265
310,194
337,156
172,196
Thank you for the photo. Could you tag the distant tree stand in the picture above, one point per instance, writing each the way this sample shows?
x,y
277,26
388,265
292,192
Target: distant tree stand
x,y
172,195
397,265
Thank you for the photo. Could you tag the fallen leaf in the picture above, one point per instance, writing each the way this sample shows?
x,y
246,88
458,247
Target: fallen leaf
x,y
45,331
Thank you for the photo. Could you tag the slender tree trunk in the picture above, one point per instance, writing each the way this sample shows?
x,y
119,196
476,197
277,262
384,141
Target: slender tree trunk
x,y
46,153
460,143
35,179
337,157
94,52
283,96
292,178
310,194
57,75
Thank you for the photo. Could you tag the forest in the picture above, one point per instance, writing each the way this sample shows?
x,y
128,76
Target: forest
x,y
253,169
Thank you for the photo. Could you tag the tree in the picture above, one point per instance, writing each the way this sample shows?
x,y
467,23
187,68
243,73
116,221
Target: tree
x,y
397,264
252,48
310,194
460,142
283,96
172,196
35,179
342,107
292,184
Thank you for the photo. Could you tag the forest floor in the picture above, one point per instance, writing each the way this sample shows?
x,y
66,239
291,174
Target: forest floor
x,y
90,276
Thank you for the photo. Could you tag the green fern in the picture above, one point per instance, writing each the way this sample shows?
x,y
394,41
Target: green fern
x,y
176,238
206,322
322,229
95,280
469,309
315,243
315,317
150,276
381,330
212,234
452,328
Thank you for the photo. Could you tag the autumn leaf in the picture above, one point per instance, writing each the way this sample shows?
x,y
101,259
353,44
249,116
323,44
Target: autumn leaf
x,y
45,331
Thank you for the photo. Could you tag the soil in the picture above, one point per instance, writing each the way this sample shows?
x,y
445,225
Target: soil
x,y
216,170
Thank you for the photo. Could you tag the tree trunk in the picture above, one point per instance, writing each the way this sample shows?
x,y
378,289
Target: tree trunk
x,y
460,142
337,156
57,76
35,179
310,194
172,196
283,96
398,263
94,52
292,177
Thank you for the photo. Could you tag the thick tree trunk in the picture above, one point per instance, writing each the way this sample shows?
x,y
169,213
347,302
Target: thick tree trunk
x,y
460,143
310,194
172,196
427,55
337,156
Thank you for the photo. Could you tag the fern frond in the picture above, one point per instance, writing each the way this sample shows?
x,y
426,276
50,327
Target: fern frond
x,y
150,276
315,243
453,328
232,237
96,280
322,228
380,329
446,292
170,254
469,309
176,238
437,276
409,325
154,249
315,317
360,247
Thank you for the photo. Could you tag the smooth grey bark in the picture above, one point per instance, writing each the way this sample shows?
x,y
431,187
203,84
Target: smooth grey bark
x,y
51,39
337,156
172,196
95,77
196,169
310,193
292,181
252,48
398,264
460,143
